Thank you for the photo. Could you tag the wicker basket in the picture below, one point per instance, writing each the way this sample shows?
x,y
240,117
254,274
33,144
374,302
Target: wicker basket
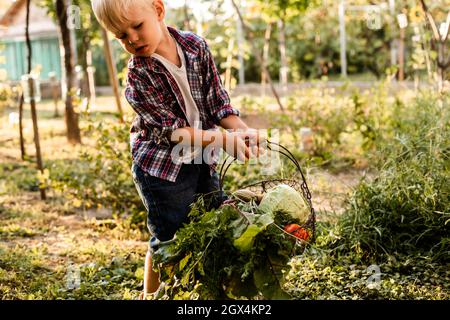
x,y
297,181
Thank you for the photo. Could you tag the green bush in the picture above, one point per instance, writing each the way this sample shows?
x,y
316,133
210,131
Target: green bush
x,y
318,276
6,96
335,120
18,177
406,207
101,177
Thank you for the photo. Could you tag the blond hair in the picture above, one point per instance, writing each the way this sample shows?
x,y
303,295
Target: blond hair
x,y
112,13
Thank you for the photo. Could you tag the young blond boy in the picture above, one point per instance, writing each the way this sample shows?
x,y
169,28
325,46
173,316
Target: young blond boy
x,y
175,89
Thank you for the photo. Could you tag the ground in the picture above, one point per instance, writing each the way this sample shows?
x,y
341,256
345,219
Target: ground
x,y
45,245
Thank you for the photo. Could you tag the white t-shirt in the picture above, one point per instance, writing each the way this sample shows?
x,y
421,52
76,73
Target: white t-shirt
x,y
192,113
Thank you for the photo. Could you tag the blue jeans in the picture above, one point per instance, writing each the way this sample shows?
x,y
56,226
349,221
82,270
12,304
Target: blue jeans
x,y
168,203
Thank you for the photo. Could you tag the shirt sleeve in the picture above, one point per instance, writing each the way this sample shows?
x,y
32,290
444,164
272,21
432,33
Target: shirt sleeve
x,y
218,101
161,121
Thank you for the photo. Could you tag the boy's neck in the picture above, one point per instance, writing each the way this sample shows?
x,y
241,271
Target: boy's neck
x,y
168,48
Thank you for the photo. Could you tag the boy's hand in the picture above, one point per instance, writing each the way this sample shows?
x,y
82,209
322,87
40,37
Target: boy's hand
x,y
254,139
235,146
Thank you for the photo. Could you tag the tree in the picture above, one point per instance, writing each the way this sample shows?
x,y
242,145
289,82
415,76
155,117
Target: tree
x,y
249,34
58,11
71,116
86,35
265,57
112,72
439,40
282,11
31,88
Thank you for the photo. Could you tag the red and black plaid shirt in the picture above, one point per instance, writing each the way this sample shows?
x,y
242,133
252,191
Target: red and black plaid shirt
x,y
155,97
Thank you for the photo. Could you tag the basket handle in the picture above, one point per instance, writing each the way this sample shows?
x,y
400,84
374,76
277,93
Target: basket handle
x,y
225,166
284,151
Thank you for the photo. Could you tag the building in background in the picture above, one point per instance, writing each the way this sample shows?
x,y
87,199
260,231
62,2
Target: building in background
x,y
44,41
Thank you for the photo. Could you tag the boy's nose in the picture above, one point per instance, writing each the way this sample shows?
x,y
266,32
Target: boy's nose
x,y
133,38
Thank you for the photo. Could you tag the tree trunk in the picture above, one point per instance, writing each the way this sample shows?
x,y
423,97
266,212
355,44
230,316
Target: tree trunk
x,y
31,90
401,56
229,64
439,40
84,85
88,86
342,39
283,56
265,58
71,117
392,46
90,77
240,44
112,72
248,33
22,142
187,24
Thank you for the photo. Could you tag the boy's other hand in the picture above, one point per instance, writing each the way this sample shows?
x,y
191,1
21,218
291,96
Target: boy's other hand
x,y
235,146
255,140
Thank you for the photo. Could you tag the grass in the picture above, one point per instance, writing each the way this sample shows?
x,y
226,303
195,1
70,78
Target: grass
x,y
46,246
317,276
41,243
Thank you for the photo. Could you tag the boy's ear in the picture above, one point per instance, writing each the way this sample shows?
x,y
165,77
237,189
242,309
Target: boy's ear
x,y
159,8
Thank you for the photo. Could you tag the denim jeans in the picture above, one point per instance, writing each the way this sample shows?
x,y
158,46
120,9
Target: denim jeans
x,y
168,203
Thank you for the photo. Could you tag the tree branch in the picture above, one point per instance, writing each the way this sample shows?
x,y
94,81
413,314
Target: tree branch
x,y
431,21
249,33
448,28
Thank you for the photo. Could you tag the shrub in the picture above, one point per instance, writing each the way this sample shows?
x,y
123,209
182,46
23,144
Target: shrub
x,y
101,177
6,96
406,207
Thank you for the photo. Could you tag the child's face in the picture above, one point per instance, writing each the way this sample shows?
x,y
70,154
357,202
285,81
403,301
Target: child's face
x,y
142,34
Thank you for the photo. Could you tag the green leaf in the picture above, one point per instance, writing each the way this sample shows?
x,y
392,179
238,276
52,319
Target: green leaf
x,y
238,226
139,273
245,242
184,261
268,284
262,221
238,288
185,280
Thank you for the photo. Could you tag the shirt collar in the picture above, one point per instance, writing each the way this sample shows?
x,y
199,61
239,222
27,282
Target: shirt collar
x,y
186,44
182,39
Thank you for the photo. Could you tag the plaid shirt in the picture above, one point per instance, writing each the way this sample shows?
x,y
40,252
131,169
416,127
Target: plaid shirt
x,y
155,97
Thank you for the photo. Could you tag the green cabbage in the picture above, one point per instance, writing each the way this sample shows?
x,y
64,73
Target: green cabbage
x,y
287,199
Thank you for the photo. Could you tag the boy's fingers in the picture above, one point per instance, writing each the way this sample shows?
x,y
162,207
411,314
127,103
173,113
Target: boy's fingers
x,y
241,157
254,151
247,152
262,152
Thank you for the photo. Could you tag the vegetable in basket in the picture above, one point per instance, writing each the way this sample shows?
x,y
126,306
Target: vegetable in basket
x,y
297,231
287,199
247,195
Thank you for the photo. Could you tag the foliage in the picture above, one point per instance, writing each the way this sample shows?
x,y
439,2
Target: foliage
x,y
312,38
16,178
406,207
228,253
6,96
102,175
342,129
109,278
404,139
319,276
